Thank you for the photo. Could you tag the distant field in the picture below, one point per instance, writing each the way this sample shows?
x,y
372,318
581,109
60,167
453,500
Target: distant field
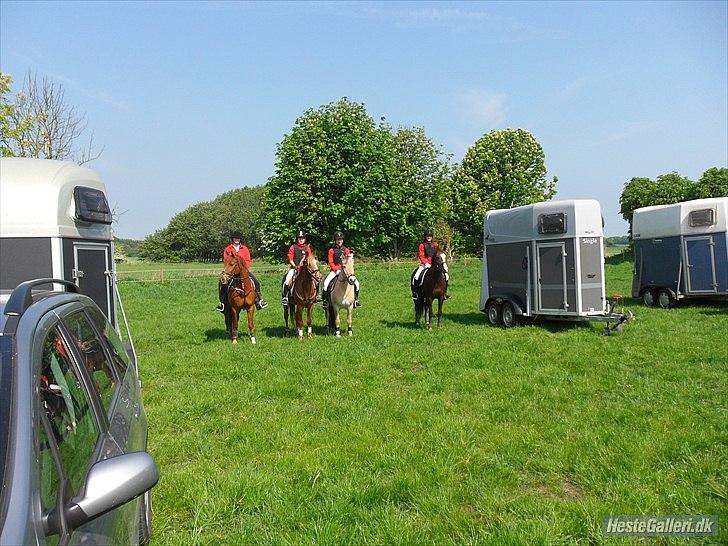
x,y
466,434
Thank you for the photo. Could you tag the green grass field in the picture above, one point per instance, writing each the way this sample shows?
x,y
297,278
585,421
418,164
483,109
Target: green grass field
x,y
465,434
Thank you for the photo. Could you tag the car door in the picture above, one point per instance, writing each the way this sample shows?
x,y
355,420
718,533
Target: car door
x,y
115,401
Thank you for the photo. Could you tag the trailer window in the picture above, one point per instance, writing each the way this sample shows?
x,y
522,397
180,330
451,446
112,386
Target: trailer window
x,y
91,205
702,217
552,223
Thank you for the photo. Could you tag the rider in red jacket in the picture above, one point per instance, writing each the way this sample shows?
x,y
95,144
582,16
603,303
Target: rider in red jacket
x,y
236,247
334,259
426,251
296,254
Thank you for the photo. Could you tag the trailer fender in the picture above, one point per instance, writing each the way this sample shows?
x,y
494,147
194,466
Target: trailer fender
x,y
500,299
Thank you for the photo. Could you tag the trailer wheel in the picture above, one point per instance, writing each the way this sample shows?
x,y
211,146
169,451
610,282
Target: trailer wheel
x,y
665,299
494,313
648,297
508,315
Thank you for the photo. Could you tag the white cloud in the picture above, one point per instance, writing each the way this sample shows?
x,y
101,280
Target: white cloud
x,y
485,106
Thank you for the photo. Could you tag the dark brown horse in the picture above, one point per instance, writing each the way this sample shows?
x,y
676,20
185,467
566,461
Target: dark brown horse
x,y
433,287
241,295
303,295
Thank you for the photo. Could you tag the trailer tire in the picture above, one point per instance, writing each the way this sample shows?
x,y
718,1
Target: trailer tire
x,y
665,299
508,315
649,298
493,312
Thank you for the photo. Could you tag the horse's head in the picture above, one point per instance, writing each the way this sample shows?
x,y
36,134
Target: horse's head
x,y
440,261
312,266
232,265
347,268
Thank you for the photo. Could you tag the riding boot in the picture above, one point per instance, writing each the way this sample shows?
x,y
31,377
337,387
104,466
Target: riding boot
x,y
447,296
284,295
356,299
325,299
222,292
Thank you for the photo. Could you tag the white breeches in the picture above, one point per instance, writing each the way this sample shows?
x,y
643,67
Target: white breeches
x,y
418,273
289,276
330,277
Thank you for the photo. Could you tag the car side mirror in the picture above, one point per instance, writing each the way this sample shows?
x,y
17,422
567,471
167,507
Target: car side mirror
x,y
109,484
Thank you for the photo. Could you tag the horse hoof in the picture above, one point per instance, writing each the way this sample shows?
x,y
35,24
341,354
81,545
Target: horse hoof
x,y
351,333
235,341
252,340
338,334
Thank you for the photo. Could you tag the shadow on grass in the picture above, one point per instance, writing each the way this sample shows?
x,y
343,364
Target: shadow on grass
x,y
280,331
468,319
215,334
558,326
409,324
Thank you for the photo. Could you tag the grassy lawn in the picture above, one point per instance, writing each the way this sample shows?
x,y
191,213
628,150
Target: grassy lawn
x,y
466,434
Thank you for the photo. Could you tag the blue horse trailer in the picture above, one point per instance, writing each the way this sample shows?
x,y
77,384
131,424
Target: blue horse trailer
x,y
681,251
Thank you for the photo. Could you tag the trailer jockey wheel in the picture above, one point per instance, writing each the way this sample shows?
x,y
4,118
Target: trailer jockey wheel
x,y
494,313
508,315
665,299
648,297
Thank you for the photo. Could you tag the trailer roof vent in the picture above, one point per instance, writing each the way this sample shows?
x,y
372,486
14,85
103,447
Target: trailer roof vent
x,y
552,223
702,217
91,205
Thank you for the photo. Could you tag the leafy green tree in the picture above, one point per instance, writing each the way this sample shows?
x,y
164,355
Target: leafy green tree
x,y
13,124
642,192
503,169
415,196
338,169
713,183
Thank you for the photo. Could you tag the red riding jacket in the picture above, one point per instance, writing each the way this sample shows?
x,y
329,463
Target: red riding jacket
x,y
242,251
335,254
296,252
427,251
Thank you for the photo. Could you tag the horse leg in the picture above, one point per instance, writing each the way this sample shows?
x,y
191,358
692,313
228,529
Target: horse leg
x,y
299,321
235,313
439,311
428,312
309,319
251,325
418,311
337,321
228,321
348,318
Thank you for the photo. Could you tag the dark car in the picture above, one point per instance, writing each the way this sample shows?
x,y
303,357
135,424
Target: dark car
x,y
73,431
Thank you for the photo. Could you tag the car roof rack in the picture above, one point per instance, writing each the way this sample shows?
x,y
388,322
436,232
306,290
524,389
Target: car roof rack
x,y
22,296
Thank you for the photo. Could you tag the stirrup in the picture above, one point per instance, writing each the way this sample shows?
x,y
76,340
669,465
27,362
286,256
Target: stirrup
x,y
357,304
260,304
284,300
220,307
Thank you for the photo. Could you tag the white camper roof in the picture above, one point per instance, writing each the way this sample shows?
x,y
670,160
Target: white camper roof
x,y
674,220
583,219
36,199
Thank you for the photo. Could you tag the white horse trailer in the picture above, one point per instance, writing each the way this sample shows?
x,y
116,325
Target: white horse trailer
x,y
56,223
545,260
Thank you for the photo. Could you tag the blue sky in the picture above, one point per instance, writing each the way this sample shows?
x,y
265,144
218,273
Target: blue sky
x,y
190,99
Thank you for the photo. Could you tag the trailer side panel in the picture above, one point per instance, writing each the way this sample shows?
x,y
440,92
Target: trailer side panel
x,y
24,258
507,271
658,263
592,280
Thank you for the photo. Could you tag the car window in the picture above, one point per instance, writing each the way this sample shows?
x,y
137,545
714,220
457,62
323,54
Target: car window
x,y
93,355
67,407
118,353
49,479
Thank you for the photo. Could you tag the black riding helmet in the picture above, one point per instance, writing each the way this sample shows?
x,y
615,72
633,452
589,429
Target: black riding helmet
x,y
338,235
427,232
300,233
236,235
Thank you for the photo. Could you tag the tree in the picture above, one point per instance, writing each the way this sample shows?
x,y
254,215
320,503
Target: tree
x,y
642,192
503,169
338,169
41,124
713,183
415,196
12,124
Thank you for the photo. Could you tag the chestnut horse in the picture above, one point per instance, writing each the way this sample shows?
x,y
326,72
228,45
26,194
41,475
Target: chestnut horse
x,y
342,295
432,287
303,294
241,295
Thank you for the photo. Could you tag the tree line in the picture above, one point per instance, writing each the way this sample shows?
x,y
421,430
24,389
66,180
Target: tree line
x,y
338,169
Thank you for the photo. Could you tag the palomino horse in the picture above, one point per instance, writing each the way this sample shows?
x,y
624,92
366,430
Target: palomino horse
x,y
303,294
341,295
430,288
241,295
